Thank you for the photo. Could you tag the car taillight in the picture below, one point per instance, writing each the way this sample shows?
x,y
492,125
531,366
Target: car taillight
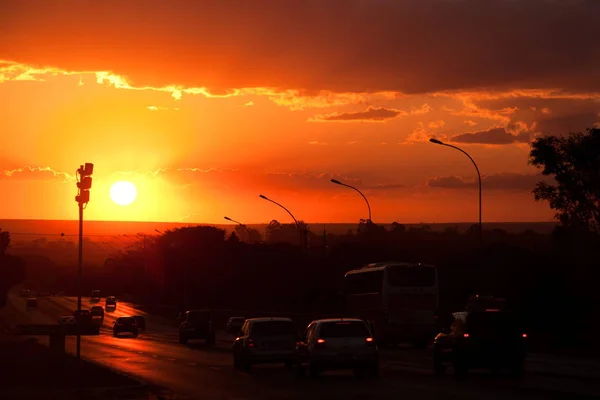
x,y
251,342
524,335
466,335
370,342
321,343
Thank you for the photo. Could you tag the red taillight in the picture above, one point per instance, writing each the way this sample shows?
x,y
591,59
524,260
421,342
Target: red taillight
x,y
251,343
320,343
369,341
524,335
466,335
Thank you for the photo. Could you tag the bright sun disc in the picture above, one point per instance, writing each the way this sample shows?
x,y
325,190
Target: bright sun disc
x,y
123,193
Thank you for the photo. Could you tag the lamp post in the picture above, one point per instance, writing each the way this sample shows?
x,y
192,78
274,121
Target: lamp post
x,y
435,141
262,196
84,184
359,192
233,220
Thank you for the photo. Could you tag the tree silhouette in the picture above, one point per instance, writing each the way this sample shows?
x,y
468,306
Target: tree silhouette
x,y
574,162
4,242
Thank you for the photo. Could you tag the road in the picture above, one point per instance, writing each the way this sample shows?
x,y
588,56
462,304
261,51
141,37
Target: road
x,y
197,371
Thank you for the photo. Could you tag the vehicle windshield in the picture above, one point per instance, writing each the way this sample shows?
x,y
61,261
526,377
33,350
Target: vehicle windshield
x,y
411,276
268,328
126,320
344,329
492,323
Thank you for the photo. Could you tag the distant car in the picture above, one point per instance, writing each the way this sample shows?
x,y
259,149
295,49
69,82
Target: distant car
x,y
337,344
60,294
66,320
265,340
141,322
31,302
125,325
234,324
482,339
95,295
197,324
25,293
97,311
110,302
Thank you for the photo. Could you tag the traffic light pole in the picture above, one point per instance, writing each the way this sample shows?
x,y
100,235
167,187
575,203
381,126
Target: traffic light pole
x,y
84,184
80,272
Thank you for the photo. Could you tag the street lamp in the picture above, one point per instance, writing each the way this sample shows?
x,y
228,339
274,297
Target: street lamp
x,y
359,192
237,222
84,184
262,196
435,141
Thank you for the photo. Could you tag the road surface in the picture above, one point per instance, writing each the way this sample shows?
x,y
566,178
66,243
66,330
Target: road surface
x,y
197,371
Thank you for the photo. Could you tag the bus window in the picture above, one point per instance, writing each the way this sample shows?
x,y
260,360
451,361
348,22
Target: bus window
x,y
411,276
364,282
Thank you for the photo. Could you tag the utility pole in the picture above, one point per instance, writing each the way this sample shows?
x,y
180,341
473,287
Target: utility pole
x,y
84,184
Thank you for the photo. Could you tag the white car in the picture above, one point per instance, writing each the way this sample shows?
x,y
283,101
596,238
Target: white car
x,y
67,320
337,344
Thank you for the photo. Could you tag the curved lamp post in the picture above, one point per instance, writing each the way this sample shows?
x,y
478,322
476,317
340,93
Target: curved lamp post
x,y
237,222
435,141
359,192
262,196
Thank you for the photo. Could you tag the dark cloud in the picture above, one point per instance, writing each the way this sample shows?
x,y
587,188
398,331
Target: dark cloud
x,y
376,114
564,124
411,46
497,136
507,181
554,116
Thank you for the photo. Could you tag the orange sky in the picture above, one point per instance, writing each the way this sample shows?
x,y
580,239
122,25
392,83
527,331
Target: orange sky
x,y
204,105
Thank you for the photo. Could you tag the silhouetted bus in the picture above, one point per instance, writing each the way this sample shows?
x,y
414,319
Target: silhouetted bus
x,y
398,300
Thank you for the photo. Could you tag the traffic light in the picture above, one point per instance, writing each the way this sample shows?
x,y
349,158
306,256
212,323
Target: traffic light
x,y
84,183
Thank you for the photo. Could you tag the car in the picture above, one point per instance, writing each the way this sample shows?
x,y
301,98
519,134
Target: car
x,y
234,324
141,322
197,324
265,340
337,344
110,303
82,317
125,325
60,294
97,311
489,338
31,302
66,320
95,295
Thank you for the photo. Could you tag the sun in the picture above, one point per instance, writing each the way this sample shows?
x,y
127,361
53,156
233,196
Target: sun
x,y
123,193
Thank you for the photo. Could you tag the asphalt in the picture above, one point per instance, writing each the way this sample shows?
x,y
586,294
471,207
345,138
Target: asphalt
x,y
196,371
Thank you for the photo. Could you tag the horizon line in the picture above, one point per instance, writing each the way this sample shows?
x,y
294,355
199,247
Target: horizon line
x,y
267,223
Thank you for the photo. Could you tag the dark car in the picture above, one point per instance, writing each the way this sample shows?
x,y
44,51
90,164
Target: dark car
x,y
265,340
95,295
110,303
31,303
197,324
125,325
141,322
83,317
483,339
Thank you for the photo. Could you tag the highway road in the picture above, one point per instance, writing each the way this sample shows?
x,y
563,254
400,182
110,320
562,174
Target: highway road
x,y
196,371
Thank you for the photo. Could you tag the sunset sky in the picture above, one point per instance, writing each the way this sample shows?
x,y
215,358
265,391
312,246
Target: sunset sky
x,y
204,105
